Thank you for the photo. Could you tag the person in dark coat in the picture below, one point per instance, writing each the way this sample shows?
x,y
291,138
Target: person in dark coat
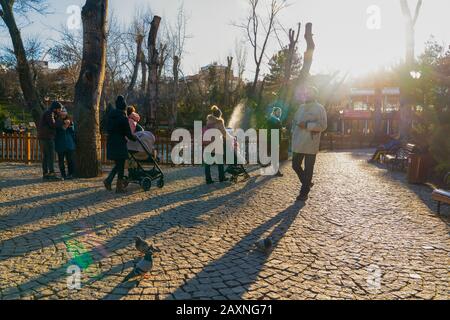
x,y
65,145
46,135
274,123
118,132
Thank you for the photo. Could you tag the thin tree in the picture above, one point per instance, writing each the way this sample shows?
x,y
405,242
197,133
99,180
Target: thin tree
x,y
258,30
89,87
7,13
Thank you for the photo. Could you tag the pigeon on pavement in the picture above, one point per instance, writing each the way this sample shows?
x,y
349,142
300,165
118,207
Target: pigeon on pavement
x,y
142,267
143,247
264,245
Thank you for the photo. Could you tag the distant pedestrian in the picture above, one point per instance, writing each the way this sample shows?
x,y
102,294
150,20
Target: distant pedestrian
x,y
215,121
274,123
65,145
46,135
308,124
118,132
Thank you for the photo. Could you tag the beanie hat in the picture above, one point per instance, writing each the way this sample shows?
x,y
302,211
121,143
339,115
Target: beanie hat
x,y
55,105
120,103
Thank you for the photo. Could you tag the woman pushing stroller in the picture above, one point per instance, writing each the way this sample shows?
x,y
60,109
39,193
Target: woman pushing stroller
x,y
118,131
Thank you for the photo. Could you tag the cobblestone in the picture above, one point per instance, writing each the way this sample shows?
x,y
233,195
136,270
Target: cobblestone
x,y
364,234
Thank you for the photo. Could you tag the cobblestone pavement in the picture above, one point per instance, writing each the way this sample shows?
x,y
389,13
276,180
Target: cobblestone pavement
x,y
364,234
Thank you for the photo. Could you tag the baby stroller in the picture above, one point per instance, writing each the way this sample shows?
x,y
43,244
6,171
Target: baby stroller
x,y
237,169
141,152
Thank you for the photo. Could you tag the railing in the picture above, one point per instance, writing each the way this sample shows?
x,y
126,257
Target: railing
x,y
333,141
24,147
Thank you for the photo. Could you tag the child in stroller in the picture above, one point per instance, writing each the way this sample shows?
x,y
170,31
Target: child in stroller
x,y
142,152
236,169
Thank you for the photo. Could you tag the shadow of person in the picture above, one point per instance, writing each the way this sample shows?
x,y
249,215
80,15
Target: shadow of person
x,y
244,262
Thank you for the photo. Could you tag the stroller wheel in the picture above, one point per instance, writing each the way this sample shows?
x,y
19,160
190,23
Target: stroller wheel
x,y
160,183
146,184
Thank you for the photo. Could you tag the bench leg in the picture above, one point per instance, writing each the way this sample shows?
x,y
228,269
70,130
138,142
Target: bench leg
x,y
439,208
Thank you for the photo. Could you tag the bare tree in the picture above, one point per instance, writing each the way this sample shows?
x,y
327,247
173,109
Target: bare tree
x,y
292,48
309,53
227,82
258,30
138,33
67,51
152,98
89,87
177,39
7,13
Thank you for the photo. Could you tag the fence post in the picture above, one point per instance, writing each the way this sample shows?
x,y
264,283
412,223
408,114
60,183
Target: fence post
x,y
28,148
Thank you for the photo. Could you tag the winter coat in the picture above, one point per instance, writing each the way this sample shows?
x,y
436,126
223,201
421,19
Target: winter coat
x,y
118,131
133,120
47,126
307,140
65,138
213,122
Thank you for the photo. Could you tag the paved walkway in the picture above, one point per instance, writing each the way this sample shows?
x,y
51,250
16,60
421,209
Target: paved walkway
x,y
364,234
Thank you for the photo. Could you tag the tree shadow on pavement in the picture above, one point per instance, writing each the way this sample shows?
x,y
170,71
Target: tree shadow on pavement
x,y
151,226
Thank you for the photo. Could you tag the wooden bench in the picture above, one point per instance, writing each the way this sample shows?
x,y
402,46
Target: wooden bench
x,y
399,160
441,195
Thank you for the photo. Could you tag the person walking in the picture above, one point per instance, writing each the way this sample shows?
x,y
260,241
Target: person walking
x,y
215,121
274,123
118,132
46,135
65,145
308,124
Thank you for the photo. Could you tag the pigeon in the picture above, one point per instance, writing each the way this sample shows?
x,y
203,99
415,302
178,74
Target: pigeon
x,y
142,267
264,245
143,247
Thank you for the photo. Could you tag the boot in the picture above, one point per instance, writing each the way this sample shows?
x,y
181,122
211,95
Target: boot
x,y
107,185
120,186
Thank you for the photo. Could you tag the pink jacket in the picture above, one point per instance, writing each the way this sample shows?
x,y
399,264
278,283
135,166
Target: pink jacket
x,y
133,120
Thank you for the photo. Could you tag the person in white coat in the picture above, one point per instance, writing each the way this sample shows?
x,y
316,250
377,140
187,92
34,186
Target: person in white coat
x,y
308,124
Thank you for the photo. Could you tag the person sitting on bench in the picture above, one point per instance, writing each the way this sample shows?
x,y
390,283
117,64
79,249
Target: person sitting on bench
x,y
389,146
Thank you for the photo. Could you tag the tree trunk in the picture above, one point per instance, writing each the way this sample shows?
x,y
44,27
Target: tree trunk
x,y
309,53
151,100
144,72
89,88
174,105
293,40
139,40
228,76
29,91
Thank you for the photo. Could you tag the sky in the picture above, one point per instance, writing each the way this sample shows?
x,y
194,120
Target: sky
x,y
344,42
